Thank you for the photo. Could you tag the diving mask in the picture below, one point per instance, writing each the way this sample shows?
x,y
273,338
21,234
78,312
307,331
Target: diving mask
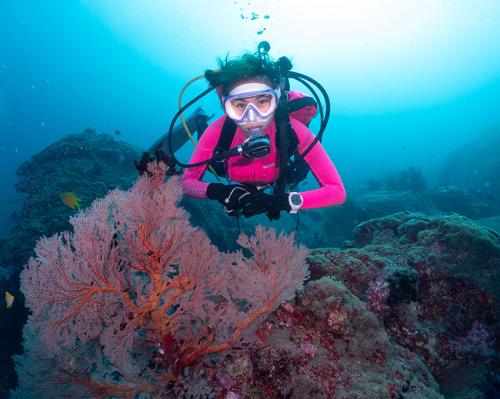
x,y
251,105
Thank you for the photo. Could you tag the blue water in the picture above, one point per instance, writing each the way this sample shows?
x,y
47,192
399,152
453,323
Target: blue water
x,y
409,83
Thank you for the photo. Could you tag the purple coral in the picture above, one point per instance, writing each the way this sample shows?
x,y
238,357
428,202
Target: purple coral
x,y
308,349
376,297
478,341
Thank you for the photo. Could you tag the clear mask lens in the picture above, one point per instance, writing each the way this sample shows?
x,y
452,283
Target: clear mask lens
x,y
256,107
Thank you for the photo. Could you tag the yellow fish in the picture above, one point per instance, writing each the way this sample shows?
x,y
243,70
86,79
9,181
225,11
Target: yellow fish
x,y
9,299
70,200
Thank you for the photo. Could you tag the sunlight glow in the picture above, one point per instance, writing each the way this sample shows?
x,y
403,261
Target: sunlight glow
x,y
376,55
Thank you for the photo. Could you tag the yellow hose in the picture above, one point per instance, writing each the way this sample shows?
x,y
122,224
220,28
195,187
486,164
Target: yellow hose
x,y
179,104
186,128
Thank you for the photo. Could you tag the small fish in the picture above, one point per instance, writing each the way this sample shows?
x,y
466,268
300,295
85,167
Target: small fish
x,y
70,200
9,299
490,198
117,132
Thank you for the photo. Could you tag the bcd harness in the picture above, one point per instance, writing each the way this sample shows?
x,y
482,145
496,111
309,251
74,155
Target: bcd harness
x,y
295,167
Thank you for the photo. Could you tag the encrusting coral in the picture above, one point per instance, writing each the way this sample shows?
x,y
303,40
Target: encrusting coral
x,y
443,277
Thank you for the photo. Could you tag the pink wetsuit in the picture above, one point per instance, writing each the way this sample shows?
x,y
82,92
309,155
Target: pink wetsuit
x,y
262,171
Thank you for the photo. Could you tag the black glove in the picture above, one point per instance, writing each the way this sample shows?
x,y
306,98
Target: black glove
x,y
259,202
147,157
232,196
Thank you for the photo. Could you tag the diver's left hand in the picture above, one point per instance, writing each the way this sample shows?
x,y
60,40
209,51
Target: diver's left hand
x,y
261,202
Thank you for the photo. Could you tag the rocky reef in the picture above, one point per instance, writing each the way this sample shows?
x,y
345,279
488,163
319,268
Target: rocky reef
x,y
403,191
475,166
327,344
434,283
87,164
402,300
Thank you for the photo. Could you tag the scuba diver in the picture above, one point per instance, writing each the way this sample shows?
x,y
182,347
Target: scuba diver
x,y
261,144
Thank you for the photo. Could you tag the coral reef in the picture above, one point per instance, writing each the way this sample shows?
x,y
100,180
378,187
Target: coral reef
x,y
404,191
449,268
124,304
327,344
408,308
339,222
88,164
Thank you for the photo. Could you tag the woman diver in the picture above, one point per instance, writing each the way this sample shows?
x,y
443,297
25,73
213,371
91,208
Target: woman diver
x,y
262,142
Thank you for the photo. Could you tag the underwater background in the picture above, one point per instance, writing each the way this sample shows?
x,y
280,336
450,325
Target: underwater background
x,y
86,86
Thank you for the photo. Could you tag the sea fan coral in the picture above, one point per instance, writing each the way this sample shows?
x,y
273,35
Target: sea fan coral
x,y
130,299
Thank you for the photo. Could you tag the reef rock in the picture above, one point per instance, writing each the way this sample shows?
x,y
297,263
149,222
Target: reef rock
x,y
381,203
435,284
492,223
326,344
88,164
410,179
475,165
339,222
473,204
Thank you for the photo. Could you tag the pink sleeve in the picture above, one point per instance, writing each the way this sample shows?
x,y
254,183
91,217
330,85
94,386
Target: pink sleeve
x,y
192,186
304,114
331,191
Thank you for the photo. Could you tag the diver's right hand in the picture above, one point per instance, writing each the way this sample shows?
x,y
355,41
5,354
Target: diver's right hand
x,y
142,164
232,196
158,156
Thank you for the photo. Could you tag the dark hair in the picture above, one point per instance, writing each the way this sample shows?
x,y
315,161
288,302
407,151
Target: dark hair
x,y
241,68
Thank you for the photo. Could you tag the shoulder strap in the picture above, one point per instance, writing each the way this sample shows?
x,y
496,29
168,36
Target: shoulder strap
x,y
224,143
227,134
301,102
283,132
